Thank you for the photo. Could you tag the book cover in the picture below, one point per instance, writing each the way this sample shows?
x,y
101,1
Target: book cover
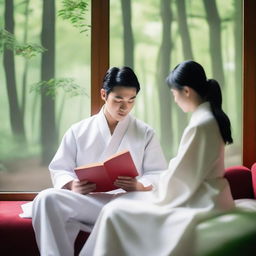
x,y
104,174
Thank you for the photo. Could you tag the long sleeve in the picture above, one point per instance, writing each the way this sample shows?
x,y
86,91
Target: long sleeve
x,y
200,149
154,162
64,161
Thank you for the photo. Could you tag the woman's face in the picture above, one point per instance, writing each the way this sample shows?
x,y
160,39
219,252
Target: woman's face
x,y
181,97
119,102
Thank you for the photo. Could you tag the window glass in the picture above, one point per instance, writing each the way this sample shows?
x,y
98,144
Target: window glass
x,y
154,36
32,121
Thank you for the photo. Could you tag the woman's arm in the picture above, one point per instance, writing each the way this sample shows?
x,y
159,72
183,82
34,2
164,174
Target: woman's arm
x,y
154,161
201,146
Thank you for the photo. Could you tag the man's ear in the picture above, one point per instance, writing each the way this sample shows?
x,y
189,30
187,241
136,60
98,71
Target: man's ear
x,y
103,94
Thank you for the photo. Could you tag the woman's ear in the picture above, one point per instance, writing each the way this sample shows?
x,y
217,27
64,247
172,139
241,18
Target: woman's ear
x,y
103,94
186,90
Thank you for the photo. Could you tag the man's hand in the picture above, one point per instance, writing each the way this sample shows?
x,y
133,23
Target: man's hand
x,y
81,187
130,184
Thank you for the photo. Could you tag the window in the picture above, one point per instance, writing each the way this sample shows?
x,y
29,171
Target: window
x,y
25,151
99,64
154,36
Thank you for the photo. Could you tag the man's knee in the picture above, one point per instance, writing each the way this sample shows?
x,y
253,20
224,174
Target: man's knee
x,y
47,196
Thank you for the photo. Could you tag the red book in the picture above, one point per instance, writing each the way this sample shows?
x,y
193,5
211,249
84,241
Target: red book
x,y
104,174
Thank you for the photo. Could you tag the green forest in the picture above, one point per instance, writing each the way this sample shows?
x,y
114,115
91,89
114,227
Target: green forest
x,y
45,70
154,36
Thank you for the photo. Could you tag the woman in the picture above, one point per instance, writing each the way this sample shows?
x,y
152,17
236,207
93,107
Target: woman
x,y
161,222
59,213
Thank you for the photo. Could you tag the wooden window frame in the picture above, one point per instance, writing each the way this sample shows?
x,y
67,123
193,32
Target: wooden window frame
x,y
99,50
249,84
100,63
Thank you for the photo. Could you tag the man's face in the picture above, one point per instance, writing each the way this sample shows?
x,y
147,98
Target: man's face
x,y
119,102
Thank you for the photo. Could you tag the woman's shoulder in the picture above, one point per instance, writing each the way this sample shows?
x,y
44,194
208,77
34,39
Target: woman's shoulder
x,y
205,127
202,117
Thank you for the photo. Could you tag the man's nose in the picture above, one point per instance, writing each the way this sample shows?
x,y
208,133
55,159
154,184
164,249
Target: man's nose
x,y
124,106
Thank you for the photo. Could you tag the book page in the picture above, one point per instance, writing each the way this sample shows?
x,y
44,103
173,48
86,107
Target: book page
x,y
120,164
89,166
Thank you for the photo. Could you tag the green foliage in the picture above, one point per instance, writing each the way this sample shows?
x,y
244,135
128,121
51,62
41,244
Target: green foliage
x,y
74,11
27,50
51,87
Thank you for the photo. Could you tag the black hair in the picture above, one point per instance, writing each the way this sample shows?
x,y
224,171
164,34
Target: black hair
x,y
123,76
190,73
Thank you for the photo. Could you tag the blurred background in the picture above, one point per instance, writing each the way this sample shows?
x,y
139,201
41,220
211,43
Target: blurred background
x,y
45,72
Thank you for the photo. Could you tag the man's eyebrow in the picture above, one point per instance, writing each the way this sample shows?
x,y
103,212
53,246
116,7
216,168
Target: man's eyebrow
x,y
120,97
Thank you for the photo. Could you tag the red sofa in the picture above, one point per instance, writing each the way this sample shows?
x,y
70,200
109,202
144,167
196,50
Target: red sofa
x,y
253,170
240,179
17,235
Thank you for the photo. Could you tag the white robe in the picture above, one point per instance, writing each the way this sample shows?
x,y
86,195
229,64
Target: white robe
x,y
58,214
162,222
90,141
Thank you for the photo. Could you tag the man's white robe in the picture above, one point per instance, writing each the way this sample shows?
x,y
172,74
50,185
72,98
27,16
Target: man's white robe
x,y
90,141
58,214
162,222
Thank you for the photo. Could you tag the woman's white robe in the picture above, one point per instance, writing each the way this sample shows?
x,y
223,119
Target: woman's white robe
x,y
58,214
162,222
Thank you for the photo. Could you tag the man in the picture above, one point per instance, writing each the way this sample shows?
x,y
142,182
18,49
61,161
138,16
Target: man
x,y
59,213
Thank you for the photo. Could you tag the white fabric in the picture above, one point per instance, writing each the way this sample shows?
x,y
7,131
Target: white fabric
x,y
90,141
27,210
162,222
246,204
59,214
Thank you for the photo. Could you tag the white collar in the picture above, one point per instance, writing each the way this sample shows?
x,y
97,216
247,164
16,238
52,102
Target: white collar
x,y
113,141
202,110
103,124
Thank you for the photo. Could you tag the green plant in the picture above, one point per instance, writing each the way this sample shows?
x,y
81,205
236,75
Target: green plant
x,y
50,87
27,50
74,11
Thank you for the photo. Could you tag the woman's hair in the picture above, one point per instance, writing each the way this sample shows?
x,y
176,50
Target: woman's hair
x,y
190,73
123,76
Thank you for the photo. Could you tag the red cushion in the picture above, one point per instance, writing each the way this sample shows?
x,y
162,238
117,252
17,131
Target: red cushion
x,y
253,170
17,234
240,181
81,239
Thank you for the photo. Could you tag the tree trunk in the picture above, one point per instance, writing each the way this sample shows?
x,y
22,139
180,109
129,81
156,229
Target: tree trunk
x,y
48,127
187,53
25,71
128,36
16,118
214,22
145,88
162,70
184,31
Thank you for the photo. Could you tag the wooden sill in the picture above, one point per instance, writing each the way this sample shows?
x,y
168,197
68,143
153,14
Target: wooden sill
x,y
17,196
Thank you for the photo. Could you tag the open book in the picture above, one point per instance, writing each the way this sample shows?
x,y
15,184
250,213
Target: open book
x,y
104,174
